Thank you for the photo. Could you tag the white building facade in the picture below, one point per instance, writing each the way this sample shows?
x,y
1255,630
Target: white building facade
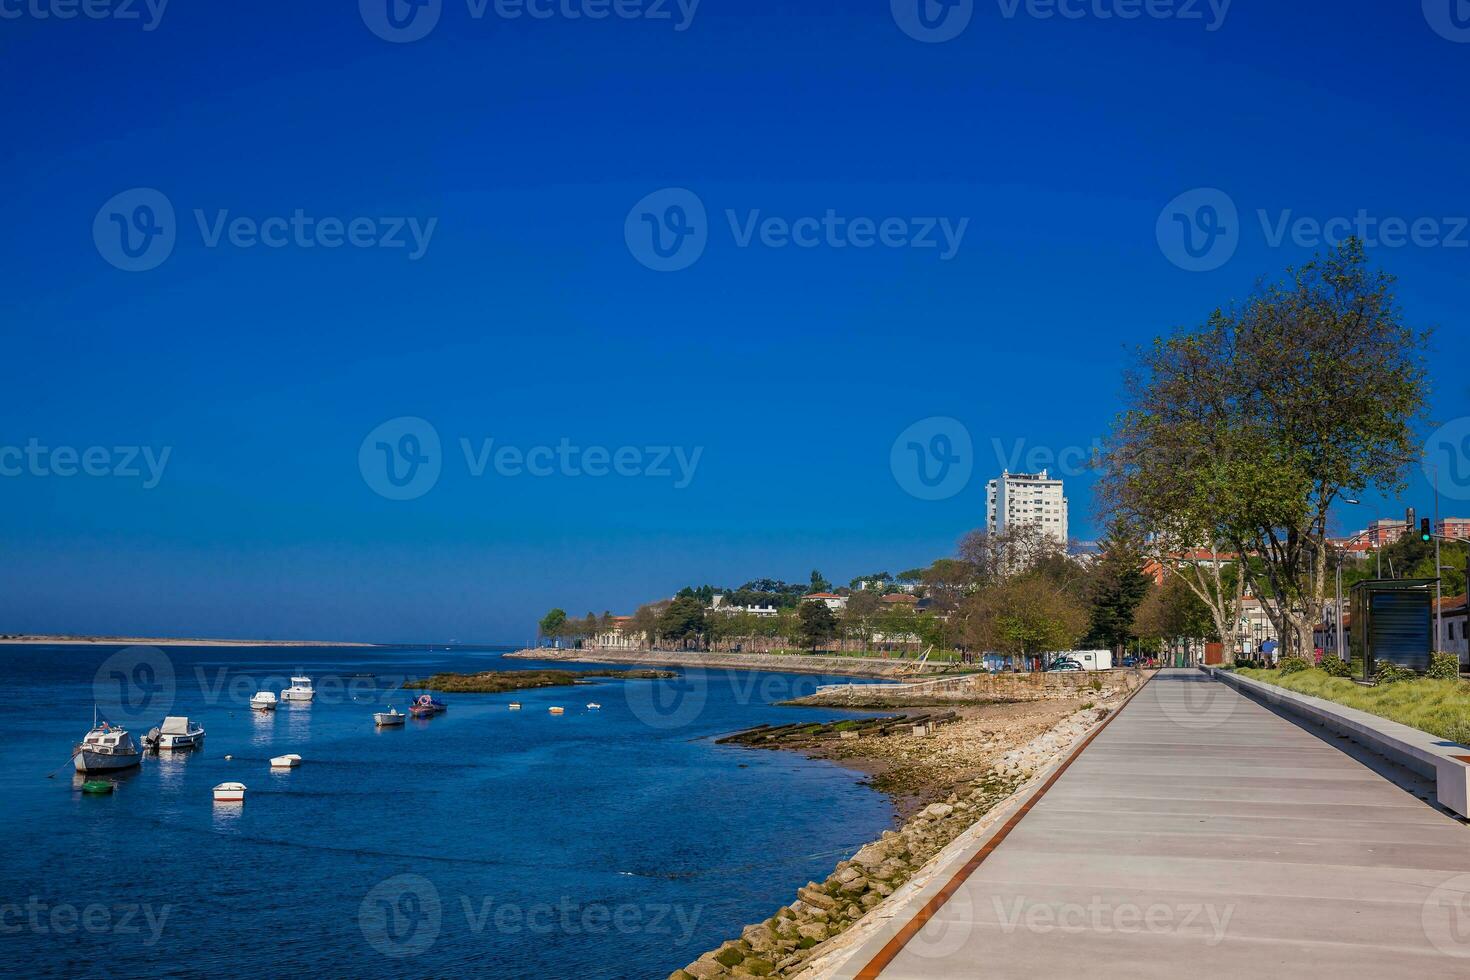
x,y
1027,498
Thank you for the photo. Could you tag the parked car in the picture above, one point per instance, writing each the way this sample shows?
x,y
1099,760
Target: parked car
x,y
1130,661
1065,665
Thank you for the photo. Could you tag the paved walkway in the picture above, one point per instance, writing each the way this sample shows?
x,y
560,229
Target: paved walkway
x,y
1201,835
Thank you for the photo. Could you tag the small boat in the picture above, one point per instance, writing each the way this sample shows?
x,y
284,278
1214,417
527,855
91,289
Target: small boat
x,y
392,718
97,787
263,701
177,732
593,705
105,748
556,710
424,706
288,761
300,690
515,706
229,793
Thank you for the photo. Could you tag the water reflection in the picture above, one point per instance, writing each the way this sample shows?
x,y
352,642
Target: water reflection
x,y
262,728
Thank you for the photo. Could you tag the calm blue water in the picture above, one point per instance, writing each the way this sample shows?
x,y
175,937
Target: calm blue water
x,y
612,843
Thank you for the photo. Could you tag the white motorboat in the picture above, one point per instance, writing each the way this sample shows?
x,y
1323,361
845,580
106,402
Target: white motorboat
x,y
229,793
177,732
593,705
556,710
392,718
515,706
106,748
300,690
289,761
263,701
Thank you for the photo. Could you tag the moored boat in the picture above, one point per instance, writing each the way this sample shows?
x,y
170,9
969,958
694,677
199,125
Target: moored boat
x,y
289,761
177,732
423,707
97,787
392,718
229,793
556,710
300,690
106,748
263,701
515,706
593,705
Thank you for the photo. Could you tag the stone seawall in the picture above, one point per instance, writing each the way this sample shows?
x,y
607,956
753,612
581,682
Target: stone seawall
x,y
974,688
784,663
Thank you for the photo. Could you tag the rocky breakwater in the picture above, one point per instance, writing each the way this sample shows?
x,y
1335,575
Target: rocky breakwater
x,y
787,943
786,663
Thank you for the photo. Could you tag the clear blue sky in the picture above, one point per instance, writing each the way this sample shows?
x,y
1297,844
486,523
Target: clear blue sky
x,y
529,319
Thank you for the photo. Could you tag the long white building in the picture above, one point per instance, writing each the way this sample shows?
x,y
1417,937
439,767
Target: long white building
x,y
1028,498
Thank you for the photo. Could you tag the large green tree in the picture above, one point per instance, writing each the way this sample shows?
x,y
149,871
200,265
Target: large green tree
x,y
818,624
553,624
1118,586
1242,434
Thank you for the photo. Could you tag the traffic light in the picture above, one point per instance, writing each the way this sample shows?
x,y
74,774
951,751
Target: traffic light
x,y
1424,534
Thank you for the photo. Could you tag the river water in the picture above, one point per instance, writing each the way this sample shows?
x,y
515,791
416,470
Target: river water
x,y
610,842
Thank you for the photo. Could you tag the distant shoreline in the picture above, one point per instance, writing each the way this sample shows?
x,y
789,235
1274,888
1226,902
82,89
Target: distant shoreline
x,y
827,666
166,641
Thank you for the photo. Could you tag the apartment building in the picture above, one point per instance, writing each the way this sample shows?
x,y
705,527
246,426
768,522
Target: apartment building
x,y
1027,498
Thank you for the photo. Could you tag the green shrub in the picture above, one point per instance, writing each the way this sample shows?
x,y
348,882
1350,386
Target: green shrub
x,y
1293,665
1334,667
1444,666
1388,672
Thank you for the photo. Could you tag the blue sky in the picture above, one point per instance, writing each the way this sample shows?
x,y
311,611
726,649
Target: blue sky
x,y
521,146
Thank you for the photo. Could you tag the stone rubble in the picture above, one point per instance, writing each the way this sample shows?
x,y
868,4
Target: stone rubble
x,y
780,945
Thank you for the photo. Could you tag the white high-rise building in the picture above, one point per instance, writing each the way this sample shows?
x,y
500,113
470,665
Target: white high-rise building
x,y
1028,498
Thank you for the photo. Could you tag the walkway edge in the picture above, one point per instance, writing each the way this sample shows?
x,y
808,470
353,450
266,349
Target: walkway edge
x,y
868,959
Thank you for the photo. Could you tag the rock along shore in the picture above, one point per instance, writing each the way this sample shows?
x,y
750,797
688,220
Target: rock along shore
x,y
812,928
780,662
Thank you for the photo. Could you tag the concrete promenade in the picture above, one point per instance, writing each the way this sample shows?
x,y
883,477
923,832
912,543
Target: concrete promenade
x,y
1201,835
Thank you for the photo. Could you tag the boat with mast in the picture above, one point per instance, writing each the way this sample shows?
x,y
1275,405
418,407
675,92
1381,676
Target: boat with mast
x,y
106,748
